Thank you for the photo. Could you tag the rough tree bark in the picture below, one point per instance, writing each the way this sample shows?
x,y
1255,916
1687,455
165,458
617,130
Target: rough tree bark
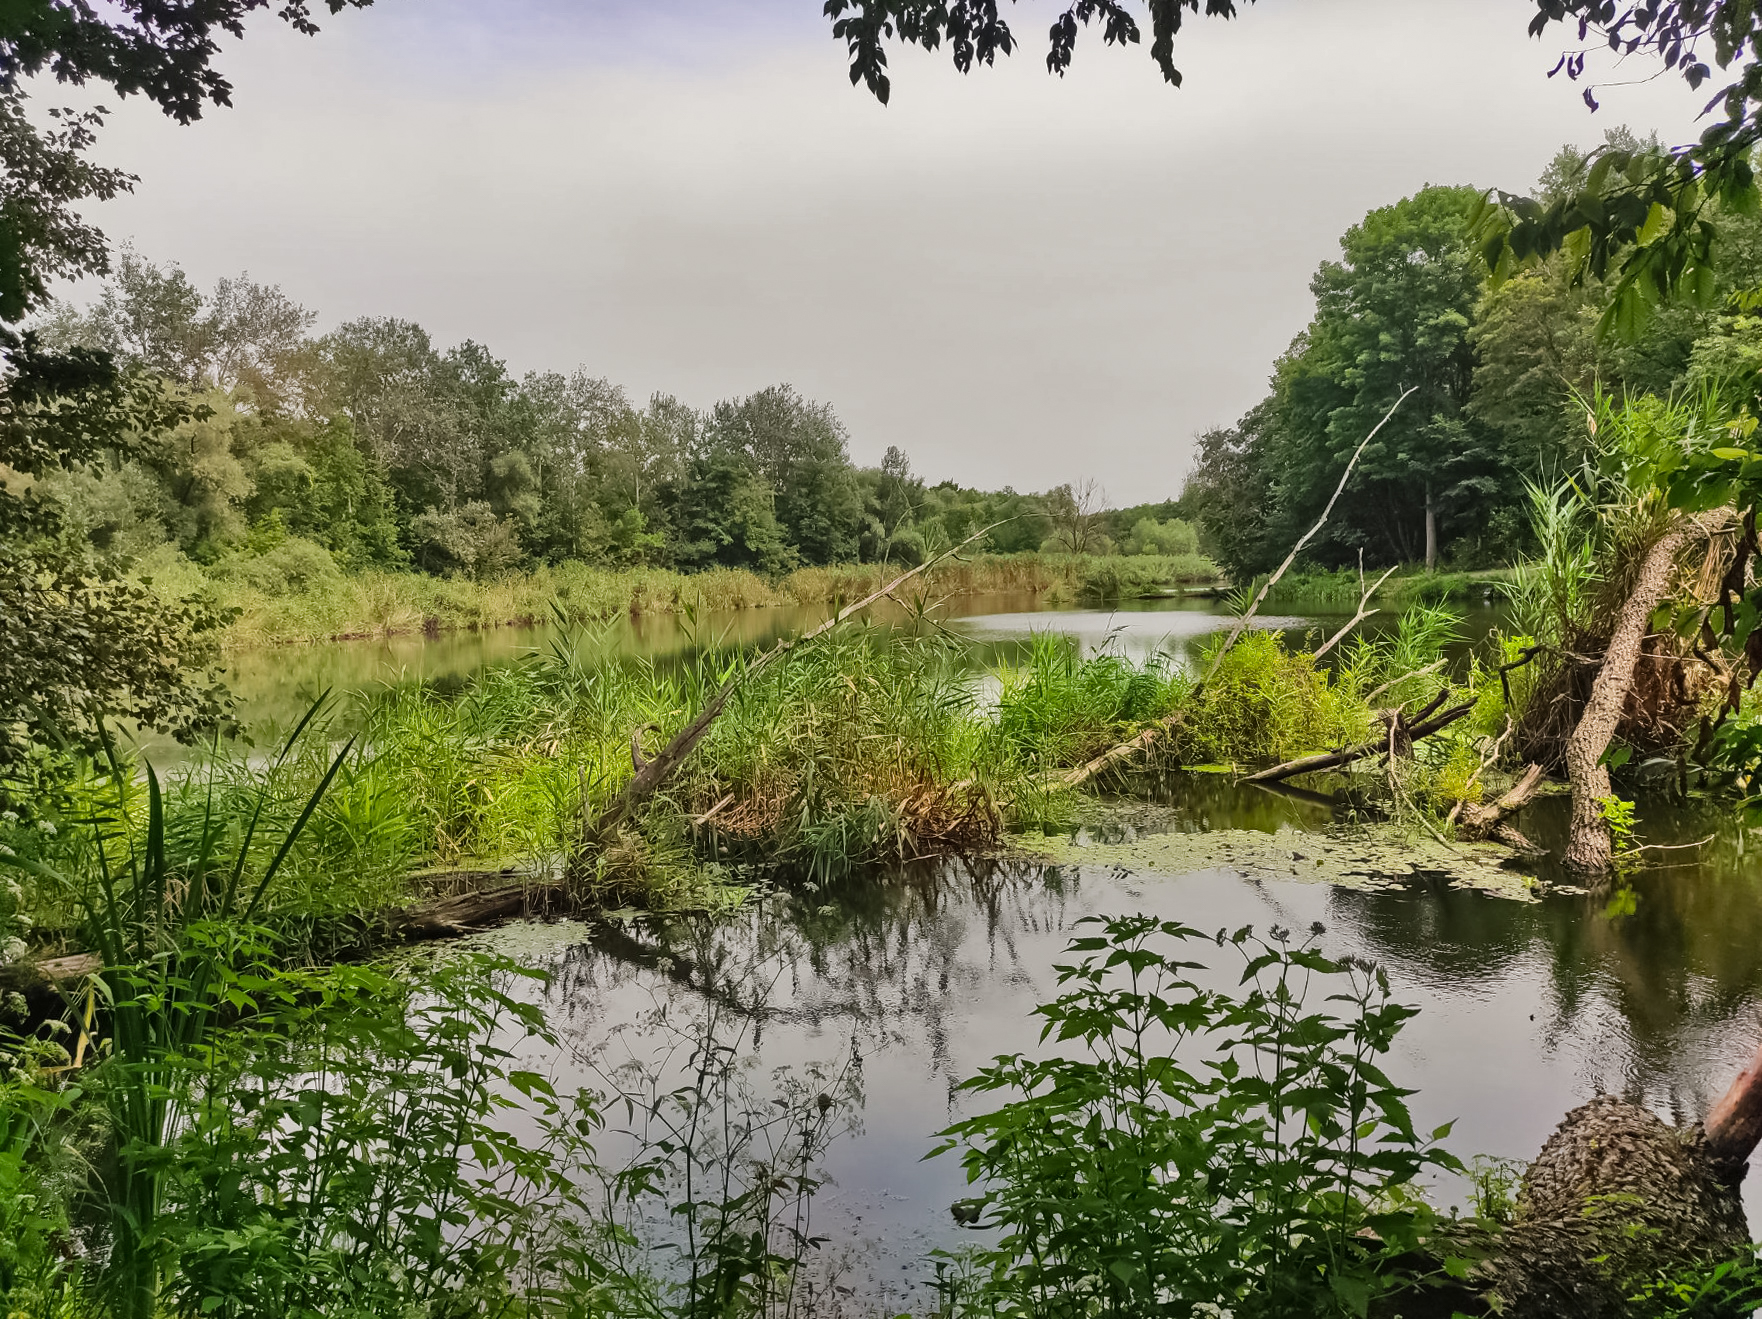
x,y
1590,846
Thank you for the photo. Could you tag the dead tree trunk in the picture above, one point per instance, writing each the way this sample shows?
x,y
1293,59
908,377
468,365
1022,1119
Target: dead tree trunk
x,y
1590,845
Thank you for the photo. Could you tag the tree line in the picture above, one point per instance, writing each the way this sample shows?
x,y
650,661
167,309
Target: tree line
x,y
384,449
1505,373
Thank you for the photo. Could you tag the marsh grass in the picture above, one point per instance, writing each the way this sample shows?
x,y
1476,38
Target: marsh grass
x,y
333,606
874,744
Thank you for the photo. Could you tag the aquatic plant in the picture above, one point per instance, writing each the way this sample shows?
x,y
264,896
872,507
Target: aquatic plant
x,y
1058,707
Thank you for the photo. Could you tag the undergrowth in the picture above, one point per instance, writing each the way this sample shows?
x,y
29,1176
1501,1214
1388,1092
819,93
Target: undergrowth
x,y
870,745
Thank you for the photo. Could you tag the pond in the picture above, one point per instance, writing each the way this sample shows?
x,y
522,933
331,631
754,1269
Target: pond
x,y
1533,998
1529,1005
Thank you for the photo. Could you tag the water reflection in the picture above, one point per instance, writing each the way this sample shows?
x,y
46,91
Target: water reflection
x,y
1527,1008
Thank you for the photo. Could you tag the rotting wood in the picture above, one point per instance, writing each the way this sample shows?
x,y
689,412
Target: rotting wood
x,y
49,971
1590,845
1396,731
1254,605
463,912
1481,820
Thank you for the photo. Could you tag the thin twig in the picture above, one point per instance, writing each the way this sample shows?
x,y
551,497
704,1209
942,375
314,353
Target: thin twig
x,y
1375,692
1297,549
1360,616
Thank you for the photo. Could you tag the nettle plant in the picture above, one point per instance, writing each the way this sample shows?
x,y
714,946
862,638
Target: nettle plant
x,y
1189,1151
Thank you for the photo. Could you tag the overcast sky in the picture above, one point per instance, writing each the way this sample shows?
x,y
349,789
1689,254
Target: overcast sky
x,y
1019,280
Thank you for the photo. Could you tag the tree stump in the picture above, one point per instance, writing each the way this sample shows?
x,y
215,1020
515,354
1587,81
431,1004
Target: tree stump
x,y
1615,1199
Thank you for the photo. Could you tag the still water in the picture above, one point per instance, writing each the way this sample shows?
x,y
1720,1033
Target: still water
x,y
1528,1007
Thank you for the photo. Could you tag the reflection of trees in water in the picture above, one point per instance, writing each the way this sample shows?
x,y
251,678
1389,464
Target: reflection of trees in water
x,y
1654,996
1678,975
883,954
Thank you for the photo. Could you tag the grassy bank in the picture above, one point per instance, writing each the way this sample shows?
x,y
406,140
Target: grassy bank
x,y
866,746
1340,588
293,593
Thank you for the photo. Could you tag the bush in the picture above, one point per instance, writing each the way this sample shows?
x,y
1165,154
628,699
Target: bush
x,y
1190,1152
295,566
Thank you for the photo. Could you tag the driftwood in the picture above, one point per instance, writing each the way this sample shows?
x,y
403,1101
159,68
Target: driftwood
x,y
1492,820
1398,732
1590,845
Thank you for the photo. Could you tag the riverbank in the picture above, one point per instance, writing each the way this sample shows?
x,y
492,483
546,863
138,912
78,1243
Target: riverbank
x,y
1340,588
288,596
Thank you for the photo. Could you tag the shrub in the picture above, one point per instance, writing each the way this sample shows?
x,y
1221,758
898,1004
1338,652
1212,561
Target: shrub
x,y
1186,1151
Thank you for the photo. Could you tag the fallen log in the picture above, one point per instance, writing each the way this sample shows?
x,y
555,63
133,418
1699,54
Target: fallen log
x,y
444,918
1590,845
1410,733
32,974
1124,751
1489,820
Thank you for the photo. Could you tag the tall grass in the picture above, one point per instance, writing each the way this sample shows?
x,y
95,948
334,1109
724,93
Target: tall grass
x,y
871,744
331,606
170,905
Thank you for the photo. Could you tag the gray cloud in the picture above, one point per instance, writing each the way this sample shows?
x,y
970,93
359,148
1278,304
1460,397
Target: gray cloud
x,y
1018,279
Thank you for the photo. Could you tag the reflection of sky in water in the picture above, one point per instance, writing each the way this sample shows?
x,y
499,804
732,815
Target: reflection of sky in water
x,y
1134,633
1527,1009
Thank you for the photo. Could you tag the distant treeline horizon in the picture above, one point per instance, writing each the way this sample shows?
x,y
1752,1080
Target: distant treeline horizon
x,y
380,449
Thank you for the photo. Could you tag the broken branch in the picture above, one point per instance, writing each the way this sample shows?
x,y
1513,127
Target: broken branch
x,y
1334,759
1297,549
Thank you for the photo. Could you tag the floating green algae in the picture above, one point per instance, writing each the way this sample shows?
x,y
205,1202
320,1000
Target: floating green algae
x,y
1361,856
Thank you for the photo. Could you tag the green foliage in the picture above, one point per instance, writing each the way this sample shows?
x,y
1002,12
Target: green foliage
x,y
715,1204
1059,708
1186,1148
311,1178
1265,704
1729,1288
1110,579
1148,536
78,642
